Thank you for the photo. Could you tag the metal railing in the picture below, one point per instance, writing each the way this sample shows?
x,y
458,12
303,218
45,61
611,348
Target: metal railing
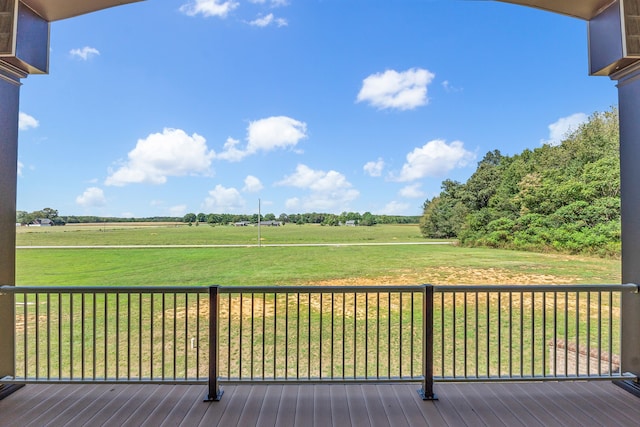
x,y
111,334
332,333
505,333
314,334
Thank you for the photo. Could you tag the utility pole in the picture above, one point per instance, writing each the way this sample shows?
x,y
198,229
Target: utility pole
x,y
259,221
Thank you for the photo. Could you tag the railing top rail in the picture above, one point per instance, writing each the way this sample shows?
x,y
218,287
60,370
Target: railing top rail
x,y
205,289
103,289
313,289
630,287
331,289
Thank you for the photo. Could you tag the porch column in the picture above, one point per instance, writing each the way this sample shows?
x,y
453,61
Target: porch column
x,y
9,94
629,109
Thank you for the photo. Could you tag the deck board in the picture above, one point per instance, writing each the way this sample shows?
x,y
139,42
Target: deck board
x,y
339,405
529,404
289,401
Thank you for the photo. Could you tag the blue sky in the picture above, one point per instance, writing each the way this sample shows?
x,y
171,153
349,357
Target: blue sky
x,y
167,107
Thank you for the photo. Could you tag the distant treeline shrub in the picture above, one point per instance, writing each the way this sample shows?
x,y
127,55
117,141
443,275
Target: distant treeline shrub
x,y
562,197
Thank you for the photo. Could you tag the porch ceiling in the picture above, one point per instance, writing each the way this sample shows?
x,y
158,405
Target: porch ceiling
x,y
54,10
583,9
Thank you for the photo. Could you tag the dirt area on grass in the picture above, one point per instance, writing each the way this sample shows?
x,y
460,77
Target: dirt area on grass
x,y
453,276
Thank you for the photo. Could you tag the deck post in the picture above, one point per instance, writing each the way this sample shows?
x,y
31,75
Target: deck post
x,y
9,94
629,110
215,392
426,392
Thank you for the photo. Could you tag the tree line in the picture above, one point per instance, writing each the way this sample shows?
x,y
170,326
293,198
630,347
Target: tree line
x,y
562,197
365,219
24,217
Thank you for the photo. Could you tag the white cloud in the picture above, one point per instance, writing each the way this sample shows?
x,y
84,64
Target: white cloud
x,y
230,151
160,155
266,135
563,127
267,20
207,8
178,210
85,53
92,197
224,200
275,132
395,208
20,167
412,191
26,122
292,203
328,190
252,184
374,168
435,158
404,90
273,3
449,88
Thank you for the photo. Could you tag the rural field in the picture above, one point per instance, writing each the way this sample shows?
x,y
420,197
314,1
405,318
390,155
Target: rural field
x,y
344,255
157,339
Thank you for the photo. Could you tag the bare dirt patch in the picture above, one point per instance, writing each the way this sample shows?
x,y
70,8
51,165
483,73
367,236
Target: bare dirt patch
x,y
452,276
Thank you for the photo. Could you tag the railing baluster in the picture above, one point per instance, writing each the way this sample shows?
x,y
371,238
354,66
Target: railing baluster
x,y
521,334
320,338
333,317
600,334
252,333
37,335
588,333
477,333
412,332
49,336
400,327
510,335
175,335
344,337
566,333
264,320
377,335
128,337
197,336
555,334
499,335
611,332
275,334
71,366
465,333
577,333
488,337
366,336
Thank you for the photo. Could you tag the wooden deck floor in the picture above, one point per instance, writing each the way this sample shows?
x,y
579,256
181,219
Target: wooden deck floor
x,y
527,404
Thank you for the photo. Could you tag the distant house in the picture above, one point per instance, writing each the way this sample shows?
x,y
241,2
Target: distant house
x,y
350,223
241,224
42,222
271,223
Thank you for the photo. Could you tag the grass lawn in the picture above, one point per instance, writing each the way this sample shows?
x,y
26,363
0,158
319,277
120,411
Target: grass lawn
x,y
293,265
306,265
181,234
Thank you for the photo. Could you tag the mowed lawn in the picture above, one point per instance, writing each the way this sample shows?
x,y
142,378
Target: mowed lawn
x,y
204,234
253,265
